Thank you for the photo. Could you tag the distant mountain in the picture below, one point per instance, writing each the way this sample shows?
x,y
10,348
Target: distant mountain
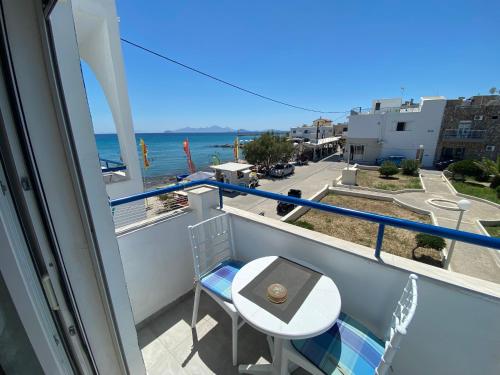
x,y
207,129
220,129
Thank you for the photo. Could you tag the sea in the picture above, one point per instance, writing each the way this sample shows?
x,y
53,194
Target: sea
x,y
166,154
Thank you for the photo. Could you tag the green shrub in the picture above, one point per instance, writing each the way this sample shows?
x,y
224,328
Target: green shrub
x,y
303,224
464,168
410,167
429,241
495,181
388,168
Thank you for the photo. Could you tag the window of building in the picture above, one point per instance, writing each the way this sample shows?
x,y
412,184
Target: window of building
x,y
306,131
494,117
401,126
293,131
345,129
490,148
377,106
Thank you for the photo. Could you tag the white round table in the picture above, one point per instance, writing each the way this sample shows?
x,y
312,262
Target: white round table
x,y
317,314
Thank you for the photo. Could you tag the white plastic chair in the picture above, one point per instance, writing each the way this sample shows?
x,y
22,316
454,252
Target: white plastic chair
x,y
401,318
213,246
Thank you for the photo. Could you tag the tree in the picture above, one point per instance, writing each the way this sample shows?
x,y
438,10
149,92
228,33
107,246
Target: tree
x,y
493,90
464,168
388,168
268,149
488,168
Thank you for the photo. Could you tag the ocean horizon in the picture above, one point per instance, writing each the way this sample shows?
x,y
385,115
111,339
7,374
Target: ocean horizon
x,y
166,154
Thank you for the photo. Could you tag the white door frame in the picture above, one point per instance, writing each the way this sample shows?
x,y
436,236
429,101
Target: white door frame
x,y
25,290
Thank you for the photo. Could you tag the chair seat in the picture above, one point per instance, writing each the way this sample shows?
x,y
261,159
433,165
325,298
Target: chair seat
x,y
220,279
347,348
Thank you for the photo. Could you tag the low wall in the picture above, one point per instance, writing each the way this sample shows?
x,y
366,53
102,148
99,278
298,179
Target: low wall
x,y
158,263
301,210
440,340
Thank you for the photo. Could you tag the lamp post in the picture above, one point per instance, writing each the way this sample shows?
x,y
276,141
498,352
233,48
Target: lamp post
x,y
463,206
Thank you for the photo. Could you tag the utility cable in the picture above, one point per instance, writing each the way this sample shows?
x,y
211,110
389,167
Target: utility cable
x,y
225,82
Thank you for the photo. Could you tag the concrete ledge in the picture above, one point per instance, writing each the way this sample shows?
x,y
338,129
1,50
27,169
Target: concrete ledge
x,y
301,210
380,190
471,197
466,283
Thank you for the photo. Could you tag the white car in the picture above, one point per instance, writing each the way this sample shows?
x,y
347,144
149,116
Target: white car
x,y
281,170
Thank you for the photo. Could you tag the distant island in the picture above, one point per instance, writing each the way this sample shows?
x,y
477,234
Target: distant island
x,y
220,129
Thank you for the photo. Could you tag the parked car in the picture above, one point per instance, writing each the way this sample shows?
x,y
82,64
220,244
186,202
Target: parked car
x,y
283,207
281,170
443,164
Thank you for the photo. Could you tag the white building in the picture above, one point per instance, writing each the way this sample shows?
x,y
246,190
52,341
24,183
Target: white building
x,y
393,128
321,128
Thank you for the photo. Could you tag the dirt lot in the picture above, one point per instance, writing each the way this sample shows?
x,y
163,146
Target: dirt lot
x,y
397,182
396,241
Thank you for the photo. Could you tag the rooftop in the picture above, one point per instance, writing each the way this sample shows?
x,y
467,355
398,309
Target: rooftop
x,y
232,167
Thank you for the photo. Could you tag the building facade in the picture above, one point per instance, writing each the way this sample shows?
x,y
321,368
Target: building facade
x,y
394,128
470,129
321,128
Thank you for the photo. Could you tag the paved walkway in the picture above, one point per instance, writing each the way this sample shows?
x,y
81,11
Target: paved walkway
x,y
477,261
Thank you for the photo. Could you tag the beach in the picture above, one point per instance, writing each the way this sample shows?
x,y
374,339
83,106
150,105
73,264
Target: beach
x,y
166,154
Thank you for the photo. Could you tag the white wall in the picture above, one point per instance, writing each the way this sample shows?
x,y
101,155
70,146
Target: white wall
x,y
455,329
386,104
96,24
422,129
455,326
158,263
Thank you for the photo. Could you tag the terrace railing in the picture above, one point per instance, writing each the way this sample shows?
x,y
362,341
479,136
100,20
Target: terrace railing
x,y
464,134
108,166
381,220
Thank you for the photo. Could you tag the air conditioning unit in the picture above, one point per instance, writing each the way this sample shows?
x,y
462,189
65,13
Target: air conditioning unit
x,y
490,148
478,117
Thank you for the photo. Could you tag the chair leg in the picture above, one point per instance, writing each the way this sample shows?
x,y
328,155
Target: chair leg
x,y
284,362
197,293
235,339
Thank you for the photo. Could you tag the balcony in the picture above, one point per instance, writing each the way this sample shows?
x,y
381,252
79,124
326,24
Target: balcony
x,y
158,269
465,135
113,171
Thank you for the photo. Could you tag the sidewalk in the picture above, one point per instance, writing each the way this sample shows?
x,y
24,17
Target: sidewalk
x,y
477,261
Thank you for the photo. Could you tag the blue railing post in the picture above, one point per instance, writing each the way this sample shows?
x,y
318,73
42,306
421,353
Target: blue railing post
x,y
221,199
380,239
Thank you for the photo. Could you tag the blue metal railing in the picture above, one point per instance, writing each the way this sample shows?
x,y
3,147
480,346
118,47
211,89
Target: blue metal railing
x,y
382,220
118,165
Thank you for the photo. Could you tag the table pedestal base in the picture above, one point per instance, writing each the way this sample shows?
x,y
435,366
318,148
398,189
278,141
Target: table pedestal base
x,y
276,349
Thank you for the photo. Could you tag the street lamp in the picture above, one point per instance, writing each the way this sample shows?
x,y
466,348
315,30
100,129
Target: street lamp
x,y
463,205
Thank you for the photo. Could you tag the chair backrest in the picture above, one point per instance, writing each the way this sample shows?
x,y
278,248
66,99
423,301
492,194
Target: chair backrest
x,y
401,318
211,243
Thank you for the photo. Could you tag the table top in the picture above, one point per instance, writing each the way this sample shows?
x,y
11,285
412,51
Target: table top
x,y
317,314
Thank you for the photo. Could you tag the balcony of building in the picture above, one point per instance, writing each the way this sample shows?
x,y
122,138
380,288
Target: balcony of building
x,y
455,330
467,135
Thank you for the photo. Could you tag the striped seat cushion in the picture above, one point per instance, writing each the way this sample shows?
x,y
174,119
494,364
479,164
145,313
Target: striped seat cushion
x,y
347,348
220,279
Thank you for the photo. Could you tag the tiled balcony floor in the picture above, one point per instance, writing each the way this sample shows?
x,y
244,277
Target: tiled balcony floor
x,y
169,346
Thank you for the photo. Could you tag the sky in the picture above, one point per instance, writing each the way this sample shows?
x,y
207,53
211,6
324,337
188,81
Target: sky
x,y
327,55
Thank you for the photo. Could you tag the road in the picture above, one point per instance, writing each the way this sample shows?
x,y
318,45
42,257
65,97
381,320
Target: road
x,y
309,179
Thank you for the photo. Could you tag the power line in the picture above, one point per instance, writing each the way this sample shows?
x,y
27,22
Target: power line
x,y
223,81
